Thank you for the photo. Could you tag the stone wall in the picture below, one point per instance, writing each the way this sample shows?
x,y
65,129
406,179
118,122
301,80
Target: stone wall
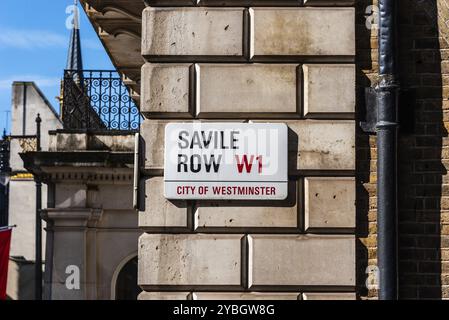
x,y
262,61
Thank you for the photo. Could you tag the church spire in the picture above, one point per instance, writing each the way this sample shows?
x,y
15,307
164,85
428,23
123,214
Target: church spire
x,y
75,59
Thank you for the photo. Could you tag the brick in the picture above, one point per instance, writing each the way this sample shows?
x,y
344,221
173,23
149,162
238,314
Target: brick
x,y
256,89
192,32
165,89
190,260
329,296
322,145
330,31
229,296
163,296
257,214
329,202
159,212
329,90
301,260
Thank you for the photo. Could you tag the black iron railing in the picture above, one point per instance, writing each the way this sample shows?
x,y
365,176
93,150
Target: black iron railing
x,y
97,100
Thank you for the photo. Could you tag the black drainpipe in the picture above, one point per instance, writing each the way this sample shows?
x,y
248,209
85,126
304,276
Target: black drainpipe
x,y
387,133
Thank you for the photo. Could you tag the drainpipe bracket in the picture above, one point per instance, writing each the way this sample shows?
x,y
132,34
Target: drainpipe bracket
x,y
406,107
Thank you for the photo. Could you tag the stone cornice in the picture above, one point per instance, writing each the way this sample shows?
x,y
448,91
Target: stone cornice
x,y
85,166
72,217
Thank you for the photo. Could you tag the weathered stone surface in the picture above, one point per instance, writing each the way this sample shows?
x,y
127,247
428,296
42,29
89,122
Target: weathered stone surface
x,y
328,2
322,145
190,260
329,296
163,296
171,2
192,31
165,89
160,212
119,142
258,2
329,202
252,88
71,196
110,196
153,132
323,31
248,2
301,260
254,214
98,142
328,89
68,142
245,296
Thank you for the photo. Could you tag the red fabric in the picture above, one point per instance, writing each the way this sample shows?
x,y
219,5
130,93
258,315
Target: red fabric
x,y
5,242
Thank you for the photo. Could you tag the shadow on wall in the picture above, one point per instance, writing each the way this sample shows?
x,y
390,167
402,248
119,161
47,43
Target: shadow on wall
x,y
421,169
422,174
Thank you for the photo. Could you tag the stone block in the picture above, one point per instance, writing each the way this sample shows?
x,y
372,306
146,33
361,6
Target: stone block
x,y
303,32
153,133
200,31
256,89
165,89
328,2
329,90
229,296
322,145
163,296
160,212
329,202
190,260
329,296
248,2
288,260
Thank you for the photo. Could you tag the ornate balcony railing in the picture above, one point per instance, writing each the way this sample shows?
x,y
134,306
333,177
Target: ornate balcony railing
x,y
97,100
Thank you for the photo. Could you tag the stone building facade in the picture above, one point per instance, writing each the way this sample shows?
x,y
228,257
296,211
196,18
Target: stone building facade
x,y
251,63
306,64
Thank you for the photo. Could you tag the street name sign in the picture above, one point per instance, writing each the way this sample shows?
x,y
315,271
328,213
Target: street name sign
x,y
226,161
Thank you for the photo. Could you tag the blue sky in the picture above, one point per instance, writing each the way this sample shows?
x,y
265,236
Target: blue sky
x,y
33,47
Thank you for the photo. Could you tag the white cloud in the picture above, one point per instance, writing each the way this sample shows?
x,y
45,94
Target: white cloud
x,y
41,81
30,39
39,39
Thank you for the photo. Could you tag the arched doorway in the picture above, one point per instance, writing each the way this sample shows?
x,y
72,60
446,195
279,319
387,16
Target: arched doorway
x,y
126,287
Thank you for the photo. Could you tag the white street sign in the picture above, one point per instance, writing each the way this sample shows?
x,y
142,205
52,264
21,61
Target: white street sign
x,y
241,161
